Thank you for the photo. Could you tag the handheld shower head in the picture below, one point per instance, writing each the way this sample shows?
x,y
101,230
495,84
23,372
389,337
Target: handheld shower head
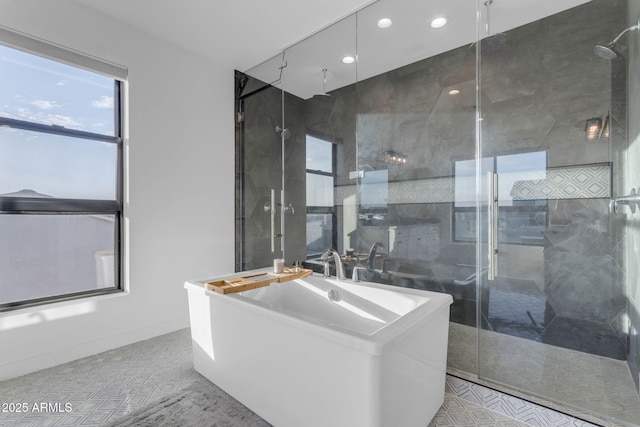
x,y
285,133
606,51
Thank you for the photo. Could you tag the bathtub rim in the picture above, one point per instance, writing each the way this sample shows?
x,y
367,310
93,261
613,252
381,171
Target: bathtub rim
x,y
375,343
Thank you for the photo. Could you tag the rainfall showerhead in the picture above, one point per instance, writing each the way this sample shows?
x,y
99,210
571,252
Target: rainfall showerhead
x,y
607,51
324,84
491,42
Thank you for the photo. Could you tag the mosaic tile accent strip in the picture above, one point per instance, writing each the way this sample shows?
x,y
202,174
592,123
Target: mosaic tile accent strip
x,y
510,406
456,412
435,190
578,182
584,182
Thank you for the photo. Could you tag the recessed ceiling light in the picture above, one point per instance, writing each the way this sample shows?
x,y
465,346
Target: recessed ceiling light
x,y
384,23
439,22
454,92
348,59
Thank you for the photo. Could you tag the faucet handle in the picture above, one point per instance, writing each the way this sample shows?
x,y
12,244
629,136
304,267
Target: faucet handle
x,y
326,270
358,272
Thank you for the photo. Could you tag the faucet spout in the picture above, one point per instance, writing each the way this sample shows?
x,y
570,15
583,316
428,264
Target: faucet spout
x,y
372,254
336,259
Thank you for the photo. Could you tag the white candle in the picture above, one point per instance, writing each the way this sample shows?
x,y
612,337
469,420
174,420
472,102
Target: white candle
x,y
278,265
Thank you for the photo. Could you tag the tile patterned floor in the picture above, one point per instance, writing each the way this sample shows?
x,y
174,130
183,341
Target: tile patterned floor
x,y
103,387
458,412
582,381
107,386
509,406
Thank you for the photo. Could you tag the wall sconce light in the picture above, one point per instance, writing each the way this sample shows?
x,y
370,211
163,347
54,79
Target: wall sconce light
x,y
595,128
592,129
394,158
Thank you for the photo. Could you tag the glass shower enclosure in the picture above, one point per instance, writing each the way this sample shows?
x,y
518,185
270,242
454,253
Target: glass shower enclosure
x,y
494,159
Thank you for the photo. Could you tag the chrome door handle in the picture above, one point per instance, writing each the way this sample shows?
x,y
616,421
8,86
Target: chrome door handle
x,y
492,207
270,208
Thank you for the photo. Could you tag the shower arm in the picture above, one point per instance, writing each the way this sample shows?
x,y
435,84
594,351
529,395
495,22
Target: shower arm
x,y
632,28
487,25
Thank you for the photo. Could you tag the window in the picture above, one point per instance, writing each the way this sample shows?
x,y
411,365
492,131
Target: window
x,y
320,206
523,214
60,174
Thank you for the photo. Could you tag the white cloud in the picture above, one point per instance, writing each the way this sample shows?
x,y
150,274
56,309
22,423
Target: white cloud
x,y
23,113
62,82
60,120
45,105
103,102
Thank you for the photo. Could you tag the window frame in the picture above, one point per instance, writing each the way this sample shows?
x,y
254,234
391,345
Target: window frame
x,y
16,205
324,210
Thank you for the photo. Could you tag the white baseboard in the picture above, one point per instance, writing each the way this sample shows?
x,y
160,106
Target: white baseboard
x,y
84,349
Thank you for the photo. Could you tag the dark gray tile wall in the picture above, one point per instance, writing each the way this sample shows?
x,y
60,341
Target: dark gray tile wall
x,y
261,171
261,168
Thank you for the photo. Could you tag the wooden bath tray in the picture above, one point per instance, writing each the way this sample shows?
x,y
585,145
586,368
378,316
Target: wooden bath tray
x,y
253,281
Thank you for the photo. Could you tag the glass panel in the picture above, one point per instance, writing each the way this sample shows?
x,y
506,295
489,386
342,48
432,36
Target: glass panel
x,y
320,102
559,302
319,155
52,93
34,164
625,152
259,112
319,190
319,233
52,255
411,191
415,123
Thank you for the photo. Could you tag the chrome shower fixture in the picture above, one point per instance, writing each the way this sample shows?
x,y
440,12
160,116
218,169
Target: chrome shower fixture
x,y
324,82
491,42
324,96
286,133
607,51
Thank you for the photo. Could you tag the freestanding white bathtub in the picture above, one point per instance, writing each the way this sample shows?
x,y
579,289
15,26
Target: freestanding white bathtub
x,y
326,353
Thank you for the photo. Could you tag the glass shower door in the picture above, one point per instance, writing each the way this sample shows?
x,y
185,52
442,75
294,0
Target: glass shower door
x,y
552,131
259,173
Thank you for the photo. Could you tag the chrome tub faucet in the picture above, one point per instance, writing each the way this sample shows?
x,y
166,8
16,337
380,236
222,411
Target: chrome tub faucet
x,y
336,259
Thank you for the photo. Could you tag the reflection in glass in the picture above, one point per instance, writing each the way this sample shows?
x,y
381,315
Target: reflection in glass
x,y
319,155
319,190
522,204
319,233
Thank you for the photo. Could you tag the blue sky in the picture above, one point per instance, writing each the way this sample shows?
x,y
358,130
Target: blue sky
x,y
44,91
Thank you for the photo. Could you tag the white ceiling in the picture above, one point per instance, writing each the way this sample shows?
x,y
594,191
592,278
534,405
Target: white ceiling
x,y
248,33
235,33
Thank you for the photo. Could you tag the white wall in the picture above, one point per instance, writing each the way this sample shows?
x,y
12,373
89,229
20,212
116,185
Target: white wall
x,y
180,182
